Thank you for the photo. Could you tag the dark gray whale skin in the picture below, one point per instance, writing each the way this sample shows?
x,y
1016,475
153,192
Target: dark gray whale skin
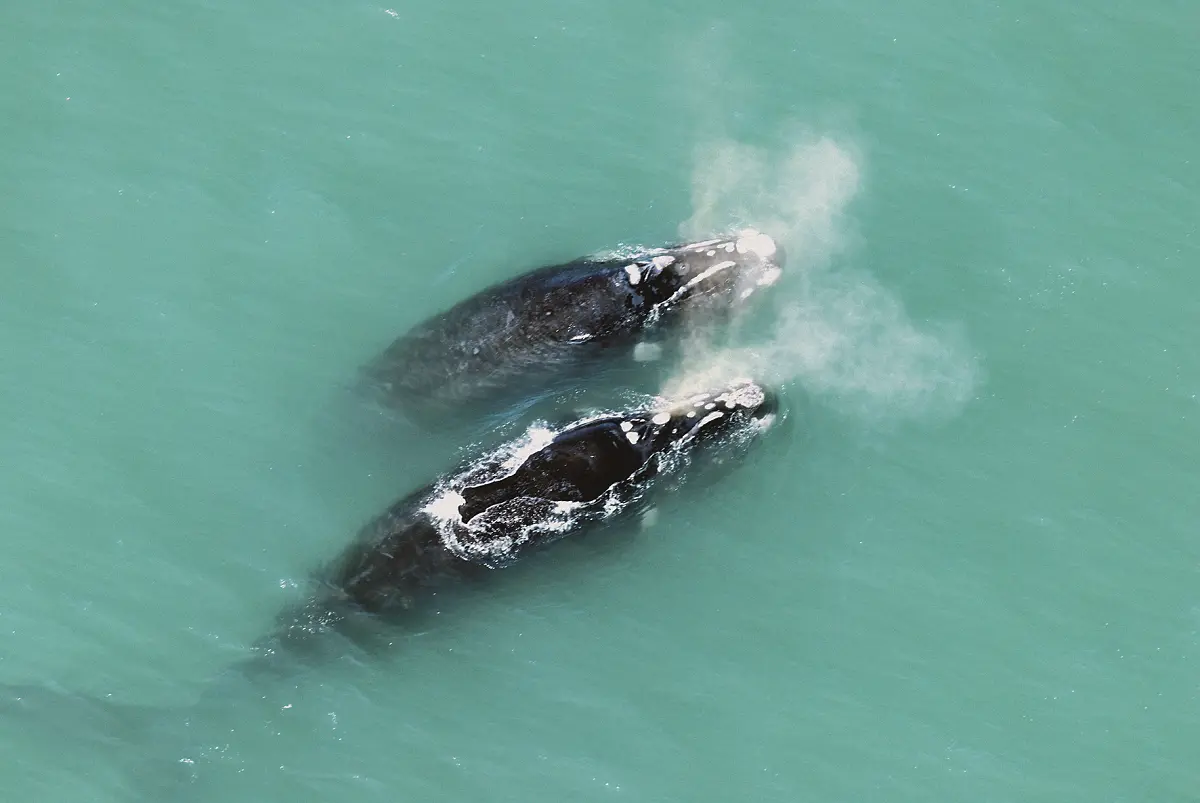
x,y
551,324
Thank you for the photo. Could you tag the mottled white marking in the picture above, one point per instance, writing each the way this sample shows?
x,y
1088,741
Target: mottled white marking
x,y
708,418
729,247
634,273
747,394
633,437
649,517
711,253
661,419
626,426
581,338
664,261
755,242
691,414
702,245
769,277
709,406
646,352
746,294
729,405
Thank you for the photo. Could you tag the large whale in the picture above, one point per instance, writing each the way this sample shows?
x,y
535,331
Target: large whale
x,y
548,324
524,495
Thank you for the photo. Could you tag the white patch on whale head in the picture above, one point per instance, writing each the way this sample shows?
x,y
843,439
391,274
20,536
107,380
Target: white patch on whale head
x,y
755,242
634,273
664,261
660,419
769,277
626,426
745,394
632,436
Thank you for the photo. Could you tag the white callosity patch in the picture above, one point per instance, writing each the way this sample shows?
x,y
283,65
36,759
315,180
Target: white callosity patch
x,y
752,241
634,273
660,419
632,436
769,276
747,394
664,261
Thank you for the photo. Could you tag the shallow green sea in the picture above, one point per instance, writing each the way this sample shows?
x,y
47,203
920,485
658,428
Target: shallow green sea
x,y
969,570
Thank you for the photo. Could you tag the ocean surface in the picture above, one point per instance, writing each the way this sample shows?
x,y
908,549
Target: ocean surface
x,y
968,570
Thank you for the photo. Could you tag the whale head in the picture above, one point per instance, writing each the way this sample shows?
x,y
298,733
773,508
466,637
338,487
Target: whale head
x,y
720,272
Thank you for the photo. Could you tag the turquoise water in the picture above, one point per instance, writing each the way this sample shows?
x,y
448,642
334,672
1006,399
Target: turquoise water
x,y
967,572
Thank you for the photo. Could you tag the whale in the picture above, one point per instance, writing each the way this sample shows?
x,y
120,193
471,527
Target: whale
x,y
525,334
524,495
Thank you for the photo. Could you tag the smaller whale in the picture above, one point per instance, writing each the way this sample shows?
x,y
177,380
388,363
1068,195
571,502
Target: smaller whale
x,y
549,324
525,495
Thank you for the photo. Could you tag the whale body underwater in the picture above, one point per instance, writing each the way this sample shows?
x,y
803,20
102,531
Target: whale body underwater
x,y
552,323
